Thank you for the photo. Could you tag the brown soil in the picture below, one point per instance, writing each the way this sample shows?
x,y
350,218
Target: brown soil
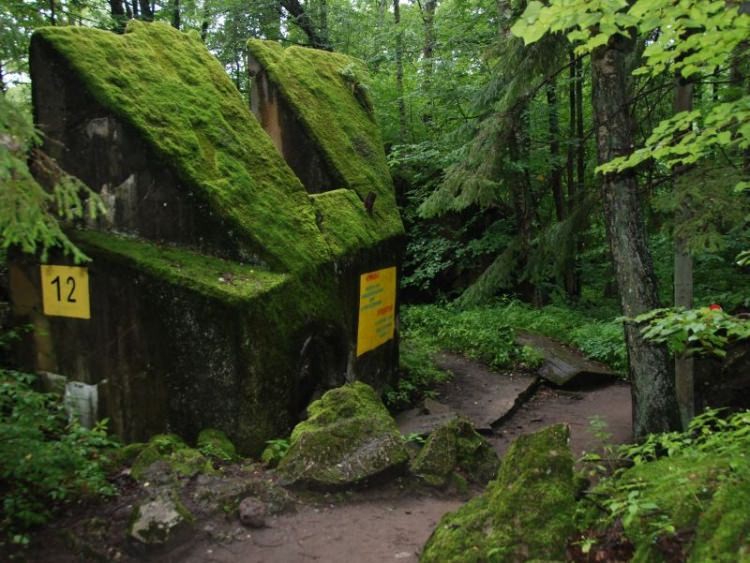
x,y
390,523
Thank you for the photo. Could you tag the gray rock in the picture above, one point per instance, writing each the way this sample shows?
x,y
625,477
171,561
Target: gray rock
x,y
161,521
252,513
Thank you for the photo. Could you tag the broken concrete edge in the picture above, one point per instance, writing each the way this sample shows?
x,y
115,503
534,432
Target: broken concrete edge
x,y
213,141
563,365
329,95
228,281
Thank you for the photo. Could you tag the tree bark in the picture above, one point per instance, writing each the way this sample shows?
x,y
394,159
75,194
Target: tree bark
x,y
554,152
176,14
302,19
147,11
428,53
683,271
400,71
117,9
651,376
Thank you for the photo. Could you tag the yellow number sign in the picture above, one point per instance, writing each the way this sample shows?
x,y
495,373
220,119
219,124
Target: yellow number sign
x,y
65,291
377,309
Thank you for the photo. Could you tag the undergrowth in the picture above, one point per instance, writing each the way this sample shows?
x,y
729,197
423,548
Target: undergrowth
x,y
678,493
488,333
418,372
45,460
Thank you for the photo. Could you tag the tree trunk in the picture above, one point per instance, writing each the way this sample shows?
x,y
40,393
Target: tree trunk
x,y
428,53
147,12
3,88
570,163
176,14
652,380
580,141
554,152
117,9
683,271
400,71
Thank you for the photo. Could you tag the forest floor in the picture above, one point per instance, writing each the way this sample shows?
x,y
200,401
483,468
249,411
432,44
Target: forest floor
x,y
393,521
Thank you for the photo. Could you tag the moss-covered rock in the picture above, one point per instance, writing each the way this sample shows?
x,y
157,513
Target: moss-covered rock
x,y
348,439
172,455
214,443
525,513
455,446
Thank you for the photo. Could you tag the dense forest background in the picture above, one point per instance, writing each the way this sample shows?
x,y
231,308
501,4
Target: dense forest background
x,y
573,155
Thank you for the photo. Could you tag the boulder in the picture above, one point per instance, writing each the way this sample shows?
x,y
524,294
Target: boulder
x,y
168,454
348,440
214,443
160,522
453,448
525,513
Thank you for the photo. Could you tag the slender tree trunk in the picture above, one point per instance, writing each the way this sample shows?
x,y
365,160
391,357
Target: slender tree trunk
x,y
683,270
147,11
651,376
136,10
570,163
117,9
3,88
176,14
580,141
128,10
554,152
428,54
400,71
53,12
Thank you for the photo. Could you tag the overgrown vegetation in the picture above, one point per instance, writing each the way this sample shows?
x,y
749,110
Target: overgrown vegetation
x,y
46,460
676,496
488,333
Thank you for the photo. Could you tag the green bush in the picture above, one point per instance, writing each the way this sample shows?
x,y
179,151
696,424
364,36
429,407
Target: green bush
x,y
45,461
419,374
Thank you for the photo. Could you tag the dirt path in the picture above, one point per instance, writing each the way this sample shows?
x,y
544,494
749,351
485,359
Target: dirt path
x,y
392,522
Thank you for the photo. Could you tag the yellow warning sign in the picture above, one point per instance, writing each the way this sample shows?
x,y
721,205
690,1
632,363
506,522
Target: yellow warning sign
x,y
377,309
65,291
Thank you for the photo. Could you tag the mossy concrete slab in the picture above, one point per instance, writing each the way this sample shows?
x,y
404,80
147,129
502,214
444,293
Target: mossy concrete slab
x,y
565,366
483,396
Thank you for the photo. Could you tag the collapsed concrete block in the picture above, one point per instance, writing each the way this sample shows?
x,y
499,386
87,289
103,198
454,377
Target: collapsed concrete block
x,y
223,291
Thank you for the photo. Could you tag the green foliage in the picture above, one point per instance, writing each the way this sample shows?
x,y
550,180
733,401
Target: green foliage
x,y
30,216
45,461
706,330
679,481
488,333
418,372
700,37
275,451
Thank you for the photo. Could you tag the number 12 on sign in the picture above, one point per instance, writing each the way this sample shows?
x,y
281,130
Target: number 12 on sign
x,y
65,291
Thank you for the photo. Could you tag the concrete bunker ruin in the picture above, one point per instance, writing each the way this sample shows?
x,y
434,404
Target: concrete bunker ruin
x,y
228,284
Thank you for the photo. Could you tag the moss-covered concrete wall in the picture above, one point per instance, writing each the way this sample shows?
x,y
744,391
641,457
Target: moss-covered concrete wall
x,y
228,295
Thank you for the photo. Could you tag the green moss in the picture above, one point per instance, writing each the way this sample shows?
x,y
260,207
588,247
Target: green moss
x,y
230,282
182,460
525,513
455,446
179,98
723,532
348,439
344,221
214,443
328,93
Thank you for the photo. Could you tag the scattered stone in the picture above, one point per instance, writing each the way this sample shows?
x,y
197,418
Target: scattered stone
x,y
165,458
252,513
525,513
349,439
453,447
162,521
563,365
